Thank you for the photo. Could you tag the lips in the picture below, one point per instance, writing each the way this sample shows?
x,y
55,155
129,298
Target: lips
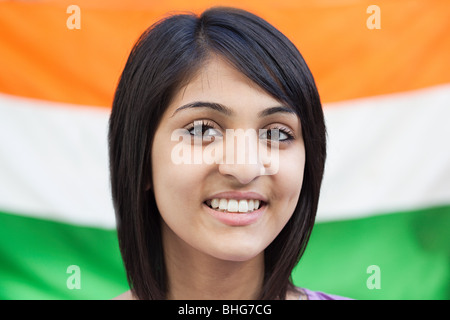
x,y
236,208
233,201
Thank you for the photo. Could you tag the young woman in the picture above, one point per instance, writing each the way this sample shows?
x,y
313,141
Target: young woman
x,y
193,221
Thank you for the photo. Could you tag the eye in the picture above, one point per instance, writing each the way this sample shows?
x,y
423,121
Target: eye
x,y
203,128
277,134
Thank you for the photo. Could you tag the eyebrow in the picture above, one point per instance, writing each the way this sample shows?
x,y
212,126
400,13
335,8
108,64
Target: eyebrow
x,y
227,111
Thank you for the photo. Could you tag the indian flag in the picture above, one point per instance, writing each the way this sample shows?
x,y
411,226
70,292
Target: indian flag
x,y
382,70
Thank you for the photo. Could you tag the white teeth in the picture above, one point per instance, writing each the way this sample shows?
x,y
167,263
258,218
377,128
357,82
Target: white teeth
x,y
251,205
215,203
232,205
243,206
223,204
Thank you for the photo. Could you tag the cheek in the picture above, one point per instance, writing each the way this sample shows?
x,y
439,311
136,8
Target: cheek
x,y
290,174
174,185
287,185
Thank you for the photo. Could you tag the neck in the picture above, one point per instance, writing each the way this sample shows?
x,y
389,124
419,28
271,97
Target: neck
x,y
194,275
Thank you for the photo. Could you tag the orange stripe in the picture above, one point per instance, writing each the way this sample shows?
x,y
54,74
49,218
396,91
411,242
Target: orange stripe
x,y
41,58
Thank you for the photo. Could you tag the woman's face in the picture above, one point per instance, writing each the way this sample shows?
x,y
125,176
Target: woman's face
x,y
206,179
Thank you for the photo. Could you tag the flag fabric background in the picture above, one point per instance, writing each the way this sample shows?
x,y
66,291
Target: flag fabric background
x,y
382,229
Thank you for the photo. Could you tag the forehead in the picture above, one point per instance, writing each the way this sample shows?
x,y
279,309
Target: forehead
x,y
218,81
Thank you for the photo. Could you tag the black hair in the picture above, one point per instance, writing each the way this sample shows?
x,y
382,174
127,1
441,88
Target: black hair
x,y
165,57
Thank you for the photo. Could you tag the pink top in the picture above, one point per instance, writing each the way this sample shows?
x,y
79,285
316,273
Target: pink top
x,y
317,295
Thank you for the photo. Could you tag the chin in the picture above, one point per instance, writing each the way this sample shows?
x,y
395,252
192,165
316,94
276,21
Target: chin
x,y
236,252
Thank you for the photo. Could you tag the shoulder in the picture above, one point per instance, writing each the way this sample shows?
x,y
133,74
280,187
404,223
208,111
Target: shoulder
x,y
127,295
318,295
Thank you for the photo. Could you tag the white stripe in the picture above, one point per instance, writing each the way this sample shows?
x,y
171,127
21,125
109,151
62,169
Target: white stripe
x,y
53,161
385,154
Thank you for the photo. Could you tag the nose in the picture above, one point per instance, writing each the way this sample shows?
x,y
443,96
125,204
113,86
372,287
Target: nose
x,y
244,173
241,159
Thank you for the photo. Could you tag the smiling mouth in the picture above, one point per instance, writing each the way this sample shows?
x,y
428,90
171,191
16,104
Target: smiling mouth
x,y
234,206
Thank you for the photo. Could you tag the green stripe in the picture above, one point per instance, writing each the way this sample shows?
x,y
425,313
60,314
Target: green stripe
x,y
411,249
35,255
